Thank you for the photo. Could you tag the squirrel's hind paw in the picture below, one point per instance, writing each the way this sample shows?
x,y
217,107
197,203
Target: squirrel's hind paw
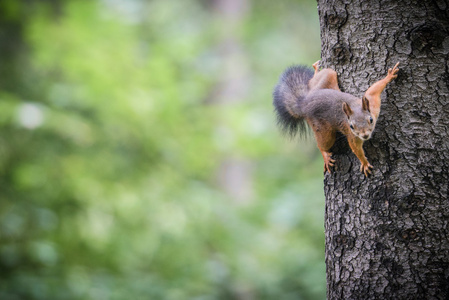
x,y
328,163
316,66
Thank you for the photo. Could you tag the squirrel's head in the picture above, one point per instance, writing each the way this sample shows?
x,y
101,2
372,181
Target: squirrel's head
x,y
360,119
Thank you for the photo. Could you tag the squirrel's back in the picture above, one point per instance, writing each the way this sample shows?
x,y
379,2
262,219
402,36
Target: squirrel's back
x,y
288,94
327,104
303,96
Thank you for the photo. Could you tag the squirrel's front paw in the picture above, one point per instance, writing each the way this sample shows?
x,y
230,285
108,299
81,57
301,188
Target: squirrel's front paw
x,y
366,169
393,73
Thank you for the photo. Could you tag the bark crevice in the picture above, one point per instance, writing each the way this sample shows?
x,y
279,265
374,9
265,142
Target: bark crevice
x,y
387,235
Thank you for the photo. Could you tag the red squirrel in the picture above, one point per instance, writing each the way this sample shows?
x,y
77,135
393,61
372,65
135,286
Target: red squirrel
x,y
304,96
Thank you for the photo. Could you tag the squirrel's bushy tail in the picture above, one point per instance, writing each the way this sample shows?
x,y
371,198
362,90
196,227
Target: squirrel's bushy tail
x,y
288,94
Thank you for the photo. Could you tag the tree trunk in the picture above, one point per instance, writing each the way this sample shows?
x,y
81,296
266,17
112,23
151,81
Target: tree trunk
x,y
387,236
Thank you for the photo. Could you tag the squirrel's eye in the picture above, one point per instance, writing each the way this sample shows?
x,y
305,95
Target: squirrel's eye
x,y
371,120
352,127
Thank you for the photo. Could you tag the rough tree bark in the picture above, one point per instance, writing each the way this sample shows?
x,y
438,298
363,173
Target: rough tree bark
x,y
387,236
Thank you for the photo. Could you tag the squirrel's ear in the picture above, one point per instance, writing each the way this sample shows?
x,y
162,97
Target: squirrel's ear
x,y
347,109
365,103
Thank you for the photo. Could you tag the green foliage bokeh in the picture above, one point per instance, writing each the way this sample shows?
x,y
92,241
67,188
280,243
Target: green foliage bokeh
x,y
130,168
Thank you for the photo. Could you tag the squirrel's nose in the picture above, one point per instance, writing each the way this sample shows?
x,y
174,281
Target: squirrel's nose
x,y
365,136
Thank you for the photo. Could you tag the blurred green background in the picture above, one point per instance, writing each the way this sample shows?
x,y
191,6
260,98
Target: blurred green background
x,y
139,155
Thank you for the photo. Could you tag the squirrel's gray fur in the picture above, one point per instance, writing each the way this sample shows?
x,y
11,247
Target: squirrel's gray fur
x,y
288,94
294,101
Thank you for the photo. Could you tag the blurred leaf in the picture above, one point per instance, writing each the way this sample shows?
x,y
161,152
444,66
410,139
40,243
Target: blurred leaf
x,y
115,135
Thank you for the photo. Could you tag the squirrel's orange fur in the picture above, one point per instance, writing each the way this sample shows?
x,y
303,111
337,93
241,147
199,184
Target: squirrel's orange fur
x,y
319,101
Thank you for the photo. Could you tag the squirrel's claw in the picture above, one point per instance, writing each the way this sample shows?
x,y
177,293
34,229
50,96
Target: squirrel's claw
x,y
366,169
328,163
327,168
392,73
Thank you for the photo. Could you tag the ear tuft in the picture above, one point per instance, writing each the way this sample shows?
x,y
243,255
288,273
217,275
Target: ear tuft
x,y
365,103
347,109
